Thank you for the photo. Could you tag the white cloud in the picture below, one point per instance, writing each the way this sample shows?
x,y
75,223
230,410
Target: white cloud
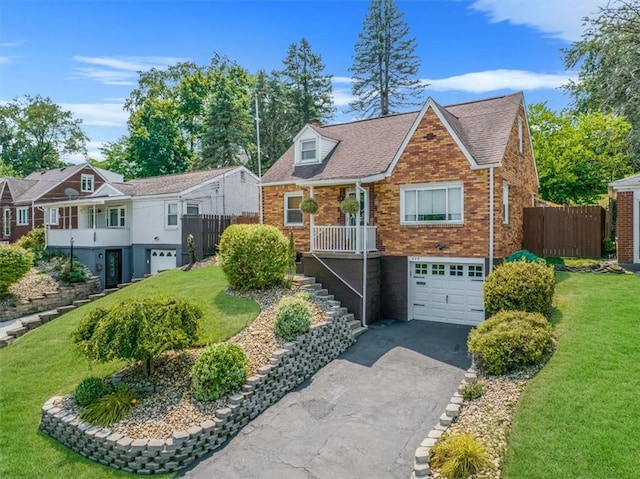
x,y
93,151
492,80
557,18
120,70
98,114
5,59
15,43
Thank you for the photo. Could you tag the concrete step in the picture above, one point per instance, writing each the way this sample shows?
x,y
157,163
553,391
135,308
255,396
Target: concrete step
x,y
311,287
339,310
110,290
46,317
302,280
359,331
31,323
136,280
93,297
326,297
124,285
17,331
322,292
81,302
6,341
64,309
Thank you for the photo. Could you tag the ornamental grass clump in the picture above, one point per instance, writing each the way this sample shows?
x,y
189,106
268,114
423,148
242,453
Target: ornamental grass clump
x,y
220,370
293,317
510,341
253,256
89,391
459,456
519,286
110,408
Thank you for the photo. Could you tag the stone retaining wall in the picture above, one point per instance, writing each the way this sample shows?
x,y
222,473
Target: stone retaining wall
x,y
287,368
64,296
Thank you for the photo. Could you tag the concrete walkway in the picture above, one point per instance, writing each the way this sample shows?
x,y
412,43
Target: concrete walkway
x,y
361,416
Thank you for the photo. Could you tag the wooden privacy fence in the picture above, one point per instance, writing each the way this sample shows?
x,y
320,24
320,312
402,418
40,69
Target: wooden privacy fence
x,y
567,231
206,231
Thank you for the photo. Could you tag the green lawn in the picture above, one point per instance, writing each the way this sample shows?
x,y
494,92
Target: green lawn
x,y
44,363
579,418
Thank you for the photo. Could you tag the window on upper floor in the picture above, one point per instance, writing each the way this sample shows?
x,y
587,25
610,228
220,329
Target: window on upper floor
x,y
86,183
292,213
116,217
23,216
171,215
51,216
431,204
505,203
308,151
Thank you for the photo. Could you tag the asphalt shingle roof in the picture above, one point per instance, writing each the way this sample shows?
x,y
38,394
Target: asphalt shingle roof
x,y
167,184
368,147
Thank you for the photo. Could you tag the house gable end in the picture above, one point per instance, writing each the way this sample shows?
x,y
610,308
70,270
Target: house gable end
x,y
310,147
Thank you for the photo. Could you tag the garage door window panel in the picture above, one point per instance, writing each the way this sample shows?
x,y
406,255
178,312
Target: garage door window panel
x,y
437,269
475,271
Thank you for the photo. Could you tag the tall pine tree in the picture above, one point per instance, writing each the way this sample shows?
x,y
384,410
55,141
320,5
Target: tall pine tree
x,y
385,65
309,88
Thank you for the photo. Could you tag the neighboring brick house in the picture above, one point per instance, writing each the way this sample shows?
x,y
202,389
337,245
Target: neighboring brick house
x,y
18,197
626,193
442,192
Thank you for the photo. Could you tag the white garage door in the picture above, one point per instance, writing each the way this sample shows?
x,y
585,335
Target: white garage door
x,y
446,291
162,259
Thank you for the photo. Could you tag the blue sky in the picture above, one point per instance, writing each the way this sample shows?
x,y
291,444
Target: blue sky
x,y
85,54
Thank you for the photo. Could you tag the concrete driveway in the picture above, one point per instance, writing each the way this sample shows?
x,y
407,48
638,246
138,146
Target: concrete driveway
x,y
362,415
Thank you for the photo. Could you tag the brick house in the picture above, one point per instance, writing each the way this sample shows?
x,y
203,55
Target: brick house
x,y
18,197
441,191
626,193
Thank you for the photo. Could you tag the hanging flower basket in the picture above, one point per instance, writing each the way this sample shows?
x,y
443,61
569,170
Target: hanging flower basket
x,y
309,206
349,206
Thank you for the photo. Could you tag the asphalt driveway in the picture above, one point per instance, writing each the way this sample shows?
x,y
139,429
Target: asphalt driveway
x,y
362,415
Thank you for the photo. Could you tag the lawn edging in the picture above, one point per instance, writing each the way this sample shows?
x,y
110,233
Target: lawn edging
x,y
287,368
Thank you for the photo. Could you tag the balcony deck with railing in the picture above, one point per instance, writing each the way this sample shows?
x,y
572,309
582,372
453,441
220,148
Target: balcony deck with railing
x,y
89,237
343,239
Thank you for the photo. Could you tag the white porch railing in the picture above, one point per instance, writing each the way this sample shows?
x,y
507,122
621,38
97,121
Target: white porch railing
x,y
344,239
89,237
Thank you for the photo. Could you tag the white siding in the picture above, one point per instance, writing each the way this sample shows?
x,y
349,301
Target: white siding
x,y
227,195
149,222
326,146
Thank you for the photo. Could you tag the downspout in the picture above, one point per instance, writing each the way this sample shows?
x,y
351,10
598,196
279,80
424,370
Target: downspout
x,y
33,214
312,226
362,227
491,195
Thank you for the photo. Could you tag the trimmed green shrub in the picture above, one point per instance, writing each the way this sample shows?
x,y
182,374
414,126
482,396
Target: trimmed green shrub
x,y
473,391
293,317
34,241
523,255
15,262
509,341
253,256
110,408
220,370
459,456
138,329
519,286
89,391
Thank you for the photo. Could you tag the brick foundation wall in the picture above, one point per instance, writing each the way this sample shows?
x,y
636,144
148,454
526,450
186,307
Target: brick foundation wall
x,y
624,226
51,300
287,368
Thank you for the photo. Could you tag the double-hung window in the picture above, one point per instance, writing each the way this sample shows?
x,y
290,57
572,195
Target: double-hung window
x,y
23,216
116,217
86,183
51,216
194,208
431,204
308,153
292,213
171,215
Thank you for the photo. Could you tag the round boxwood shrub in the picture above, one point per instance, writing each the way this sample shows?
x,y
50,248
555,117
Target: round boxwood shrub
x,y
350,205
509,341
90,390
220,369
519,286
293,317
15,262
253,256
309,206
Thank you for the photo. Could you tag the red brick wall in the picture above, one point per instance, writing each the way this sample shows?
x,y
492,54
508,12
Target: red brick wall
x,y
624,226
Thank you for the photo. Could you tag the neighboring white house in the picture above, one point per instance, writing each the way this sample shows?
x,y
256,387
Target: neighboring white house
x,y
127,230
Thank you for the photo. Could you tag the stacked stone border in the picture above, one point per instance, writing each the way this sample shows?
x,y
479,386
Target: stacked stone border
x,y
287,368
421,466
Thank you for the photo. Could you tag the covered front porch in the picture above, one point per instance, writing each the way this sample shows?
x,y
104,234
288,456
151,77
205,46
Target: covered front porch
x,y
343,239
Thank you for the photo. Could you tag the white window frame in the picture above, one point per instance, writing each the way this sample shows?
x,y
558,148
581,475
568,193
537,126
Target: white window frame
x,y
520,135
122,217
302,150
505,203
432,187
168,214
87,183
6,222
52,216
296,194
23,216
193,205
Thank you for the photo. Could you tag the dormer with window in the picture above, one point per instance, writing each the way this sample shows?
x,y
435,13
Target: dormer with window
x,y
312,148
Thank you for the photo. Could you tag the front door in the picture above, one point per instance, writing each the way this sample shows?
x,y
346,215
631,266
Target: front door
x,y
113,268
